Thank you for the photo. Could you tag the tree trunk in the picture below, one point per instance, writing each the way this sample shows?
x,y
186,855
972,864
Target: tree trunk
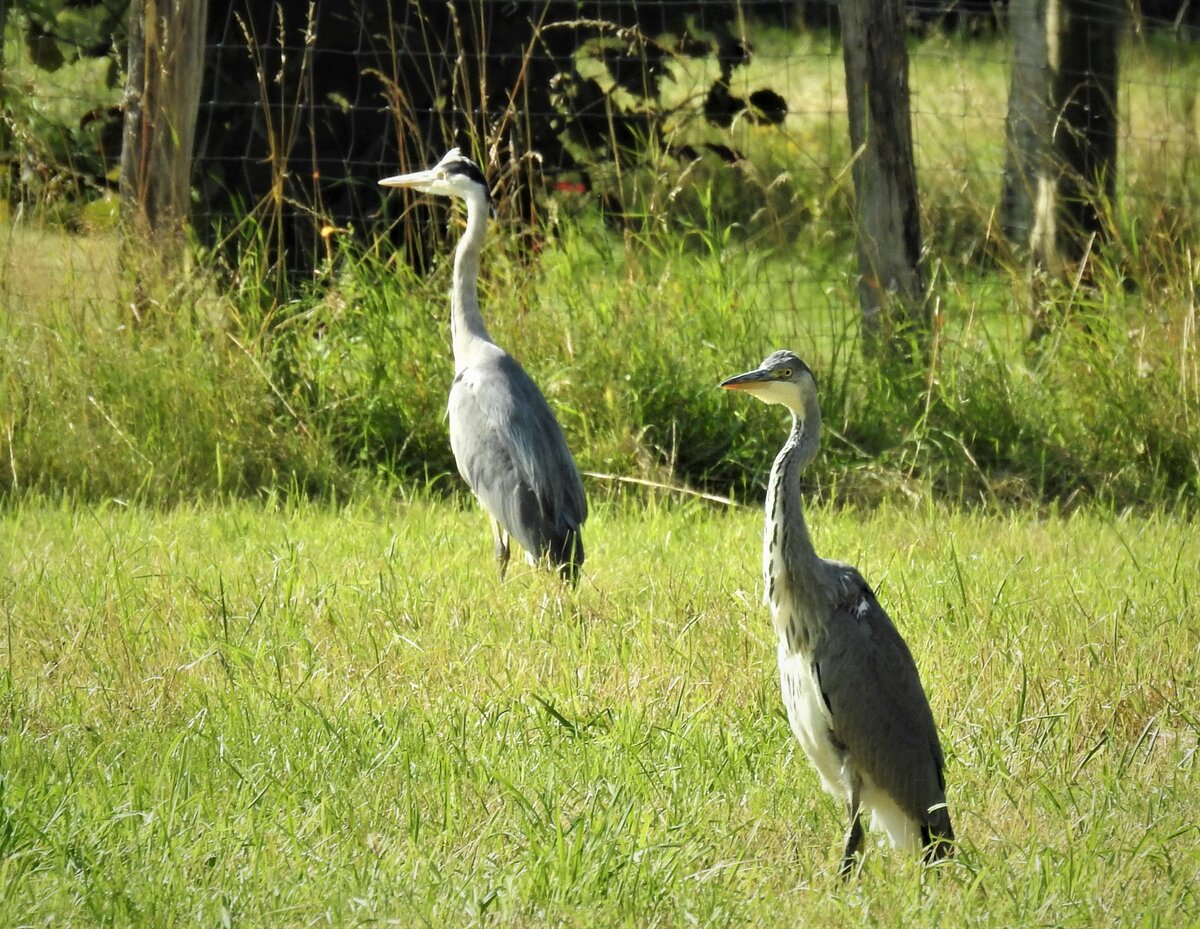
x,y
162,98
887,217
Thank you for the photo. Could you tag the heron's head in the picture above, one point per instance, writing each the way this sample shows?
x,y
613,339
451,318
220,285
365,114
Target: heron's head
x,y
781,378
454,176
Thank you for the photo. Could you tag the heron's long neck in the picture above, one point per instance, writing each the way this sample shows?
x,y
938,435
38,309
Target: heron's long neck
x,y
791,563
466,322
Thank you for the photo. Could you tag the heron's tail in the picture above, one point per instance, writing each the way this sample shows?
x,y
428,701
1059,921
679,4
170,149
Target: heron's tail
x,y
937,835
566,554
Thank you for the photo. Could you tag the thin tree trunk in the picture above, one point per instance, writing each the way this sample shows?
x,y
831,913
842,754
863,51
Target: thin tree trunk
x,y
162,98
887,217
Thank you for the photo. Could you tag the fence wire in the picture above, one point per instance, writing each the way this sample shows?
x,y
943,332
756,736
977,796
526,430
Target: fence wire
x,y
303,109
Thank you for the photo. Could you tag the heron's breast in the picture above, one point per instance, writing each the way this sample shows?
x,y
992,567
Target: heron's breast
x,y
467,378
810,721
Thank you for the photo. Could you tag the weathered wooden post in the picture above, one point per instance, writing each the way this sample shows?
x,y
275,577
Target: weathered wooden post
x,y
1060,177
162,98
1085,133
5,135
887,217
1029,125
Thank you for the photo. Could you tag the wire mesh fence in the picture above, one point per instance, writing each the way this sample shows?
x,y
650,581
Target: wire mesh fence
x,y
727,112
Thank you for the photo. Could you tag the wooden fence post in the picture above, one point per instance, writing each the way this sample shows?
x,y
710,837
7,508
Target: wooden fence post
x,y
6,153
887,216
162,98
1060,175
1029,124
1085,131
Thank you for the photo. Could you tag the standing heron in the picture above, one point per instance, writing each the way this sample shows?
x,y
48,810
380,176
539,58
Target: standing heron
x,y
852,692
508,446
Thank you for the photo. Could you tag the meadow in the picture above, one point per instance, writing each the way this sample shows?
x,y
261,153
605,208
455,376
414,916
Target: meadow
x,y
300,714
257,669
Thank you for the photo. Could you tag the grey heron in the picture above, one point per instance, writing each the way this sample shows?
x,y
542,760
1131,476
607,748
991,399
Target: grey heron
x,y
507,444
853,696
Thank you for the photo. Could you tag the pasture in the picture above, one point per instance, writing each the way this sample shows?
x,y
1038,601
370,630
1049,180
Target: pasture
x,y
304,714
257,670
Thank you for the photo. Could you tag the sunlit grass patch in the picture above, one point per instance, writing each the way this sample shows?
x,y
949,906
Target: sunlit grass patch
x,y
285,713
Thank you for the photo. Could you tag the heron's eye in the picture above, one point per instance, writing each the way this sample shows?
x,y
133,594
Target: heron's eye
x,y
785,373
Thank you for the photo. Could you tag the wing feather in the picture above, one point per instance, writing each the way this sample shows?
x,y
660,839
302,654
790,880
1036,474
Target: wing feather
x,y
878,707
512,452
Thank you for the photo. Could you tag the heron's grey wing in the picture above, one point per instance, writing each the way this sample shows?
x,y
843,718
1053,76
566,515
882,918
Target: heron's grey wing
x,y
878,708
512,452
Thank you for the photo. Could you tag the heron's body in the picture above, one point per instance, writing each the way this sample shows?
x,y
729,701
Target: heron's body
x,y
851,689
507,444
502,437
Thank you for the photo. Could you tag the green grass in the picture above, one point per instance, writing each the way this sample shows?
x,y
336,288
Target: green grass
x,y
216,395
297,715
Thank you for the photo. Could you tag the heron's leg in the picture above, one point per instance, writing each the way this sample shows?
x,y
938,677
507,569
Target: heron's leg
x,y
853,836
502,548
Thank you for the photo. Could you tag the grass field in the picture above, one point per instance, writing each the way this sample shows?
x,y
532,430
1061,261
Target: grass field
x,y
268,714
256,668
